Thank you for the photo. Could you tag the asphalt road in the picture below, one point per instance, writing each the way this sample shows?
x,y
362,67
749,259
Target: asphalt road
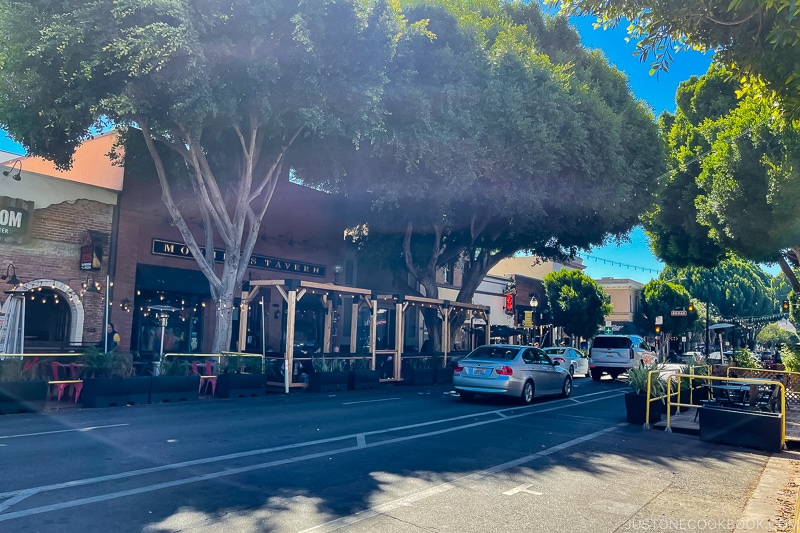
x,y
393,459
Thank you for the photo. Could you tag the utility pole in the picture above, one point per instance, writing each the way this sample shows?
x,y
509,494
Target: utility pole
x,y
707,336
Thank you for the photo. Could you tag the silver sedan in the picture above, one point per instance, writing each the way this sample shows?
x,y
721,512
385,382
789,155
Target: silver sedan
x,y
523,372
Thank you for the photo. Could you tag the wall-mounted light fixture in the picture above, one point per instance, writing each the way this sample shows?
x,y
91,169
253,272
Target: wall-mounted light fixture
x,y
337,271
90,285
10,276
17,176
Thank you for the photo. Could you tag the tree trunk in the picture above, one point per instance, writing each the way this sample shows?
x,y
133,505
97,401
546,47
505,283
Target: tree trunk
x,y
431,316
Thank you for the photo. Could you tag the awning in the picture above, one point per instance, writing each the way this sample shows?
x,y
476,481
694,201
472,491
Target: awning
x,y
159,278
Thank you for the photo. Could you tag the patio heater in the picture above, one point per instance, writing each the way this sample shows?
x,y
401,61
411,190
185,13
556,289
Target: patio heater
x,y
162,315
720,327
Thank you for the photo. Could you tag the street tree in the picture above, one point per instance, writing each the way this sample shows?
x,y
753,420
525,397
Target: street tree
x,y
734,180
231,88
660,298
773,336
577,303
504,135
753,37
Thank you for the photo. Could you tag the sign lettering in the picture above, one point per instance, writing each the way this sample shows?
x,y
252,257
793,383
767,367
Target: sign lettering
x,y
176,249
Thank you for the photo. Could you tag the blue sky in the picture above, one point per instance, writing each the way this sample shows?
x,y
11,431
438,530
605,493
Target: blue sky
x,y
634,259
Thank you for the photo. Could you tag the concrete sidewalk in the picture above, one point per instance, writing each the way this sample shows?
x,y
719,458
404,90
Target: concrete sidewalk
x,y
772,504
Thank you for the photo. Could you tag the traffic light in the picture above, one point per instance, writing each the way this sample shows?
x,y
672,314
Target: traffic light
x,y
786,305
658,329
690,308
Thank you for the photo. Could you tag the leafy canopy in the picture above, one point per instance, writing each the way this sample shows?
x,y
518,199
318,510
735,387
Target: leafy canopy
x,y
577,302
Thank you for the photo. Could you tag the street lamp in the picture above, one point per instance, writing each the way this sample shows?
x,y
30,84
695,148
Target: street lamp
x,y
162,315
534,304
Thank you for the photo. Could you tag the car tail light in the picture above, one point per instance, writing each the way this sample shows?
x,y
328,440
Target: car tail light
x,y
559,359
505,371
458,368
632,354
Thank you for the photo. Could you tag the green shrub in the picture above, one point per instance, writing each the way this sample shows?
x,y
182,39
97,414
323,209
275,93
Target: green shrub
x,y
637,380
744,359
790,355
327,364
97,364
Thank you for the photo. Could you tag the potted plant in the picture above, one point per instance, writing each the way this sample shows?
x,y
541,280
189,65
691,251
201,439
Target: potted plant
x,y
23,386
329,375
636,399
240,377
699,391
108,380
174,382
443,370
419,371
361,376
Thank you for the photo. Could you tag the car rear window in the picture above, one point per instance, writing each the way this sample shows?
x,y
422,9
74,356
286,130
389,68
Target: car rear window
x,y
487,352
554,351
614,343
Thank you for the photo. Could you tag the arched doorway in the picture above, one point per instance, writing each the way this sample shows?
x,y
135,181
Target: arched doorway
x,y
53,314
47,318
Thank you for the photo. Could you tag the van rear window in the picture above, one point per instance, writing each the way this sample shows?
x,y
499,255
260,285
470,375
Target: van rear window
x,y
614,343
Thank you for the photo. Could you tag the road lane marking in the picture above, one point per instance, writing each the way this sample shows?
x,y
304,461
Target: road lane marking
x,y
92,428
370,401
361,441
16,499
523,488
233,471
384,508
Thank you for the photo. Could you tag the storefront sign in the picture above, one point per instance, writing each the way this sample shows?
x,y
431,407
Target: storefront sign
x,y
178,249
14,216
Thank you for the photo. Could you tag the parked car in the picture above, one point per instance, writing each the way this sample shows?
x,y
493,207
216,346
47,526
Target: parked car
x,y
574,360
714,358
698,356
523,372
615,354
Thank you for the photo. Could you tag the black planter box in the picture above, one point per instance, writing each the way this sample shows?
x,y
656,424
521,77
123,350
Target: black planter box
x,y
328,381
22,396
110,392
174,389
418,376
739,427
363,379
635,405
444,375
241,385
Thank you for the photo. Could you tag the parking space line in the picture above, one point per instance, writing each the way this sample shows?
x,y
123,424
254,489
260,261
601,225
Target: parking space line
x,y
522,488
370,401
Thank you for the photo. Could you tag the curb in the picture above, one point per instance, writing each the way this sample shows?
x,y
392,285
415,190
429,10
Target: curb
x,y
766,508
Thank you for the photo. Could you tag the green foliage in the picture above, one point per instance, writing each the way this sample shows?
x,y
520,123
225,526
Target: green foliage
x,y
21,369
360,364
637,380
773,336
99,364
241,364
696,367
423,363
790,355
759,36
742,357
173,366
505,134
659,298
577,303
327,364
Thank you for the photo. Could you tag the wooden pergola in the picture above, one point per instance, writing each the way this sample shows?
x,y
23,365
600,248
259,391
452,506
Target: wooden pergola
x,y
292,290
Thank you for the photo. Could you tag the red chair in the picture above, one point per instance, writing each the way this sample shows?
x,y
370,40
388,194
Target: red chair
x,y
59,380
211,379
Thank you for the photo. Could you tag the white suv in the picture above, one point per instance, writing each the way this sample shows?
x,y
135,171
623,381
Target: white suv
x,y
615,354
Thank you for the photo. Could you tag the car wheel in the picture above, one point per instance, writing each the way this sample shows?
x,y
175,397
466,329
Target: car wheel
x,y
527,393
571,370
596,375
466,395
566,390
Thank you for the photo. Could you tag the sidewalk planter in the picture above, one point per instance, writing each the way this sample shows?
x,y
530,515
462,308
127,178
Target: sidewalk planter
x,y
22,396
328,381
739,427
444,375
635,405
418,376
362,379
230,385
174,388
111,392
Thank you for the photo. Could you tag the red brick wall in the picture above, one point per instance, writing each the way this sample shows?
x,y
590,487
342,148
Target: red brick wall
x,y
56,233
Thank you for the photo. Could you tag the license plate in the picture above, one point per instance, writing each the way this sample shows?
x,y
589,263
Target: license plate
x,y
479,371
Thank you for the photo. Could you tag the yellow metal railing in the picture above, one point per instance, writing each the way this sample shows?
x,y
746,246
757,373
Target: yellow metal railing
x,y
748,381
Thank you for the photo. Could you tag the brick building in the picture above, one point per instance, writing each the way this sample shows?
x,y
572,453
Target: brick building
x,y
56,242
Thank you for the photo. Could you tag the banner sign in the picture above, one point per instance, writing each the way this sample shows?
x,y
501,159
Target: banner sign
x,y
15,216
179,249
